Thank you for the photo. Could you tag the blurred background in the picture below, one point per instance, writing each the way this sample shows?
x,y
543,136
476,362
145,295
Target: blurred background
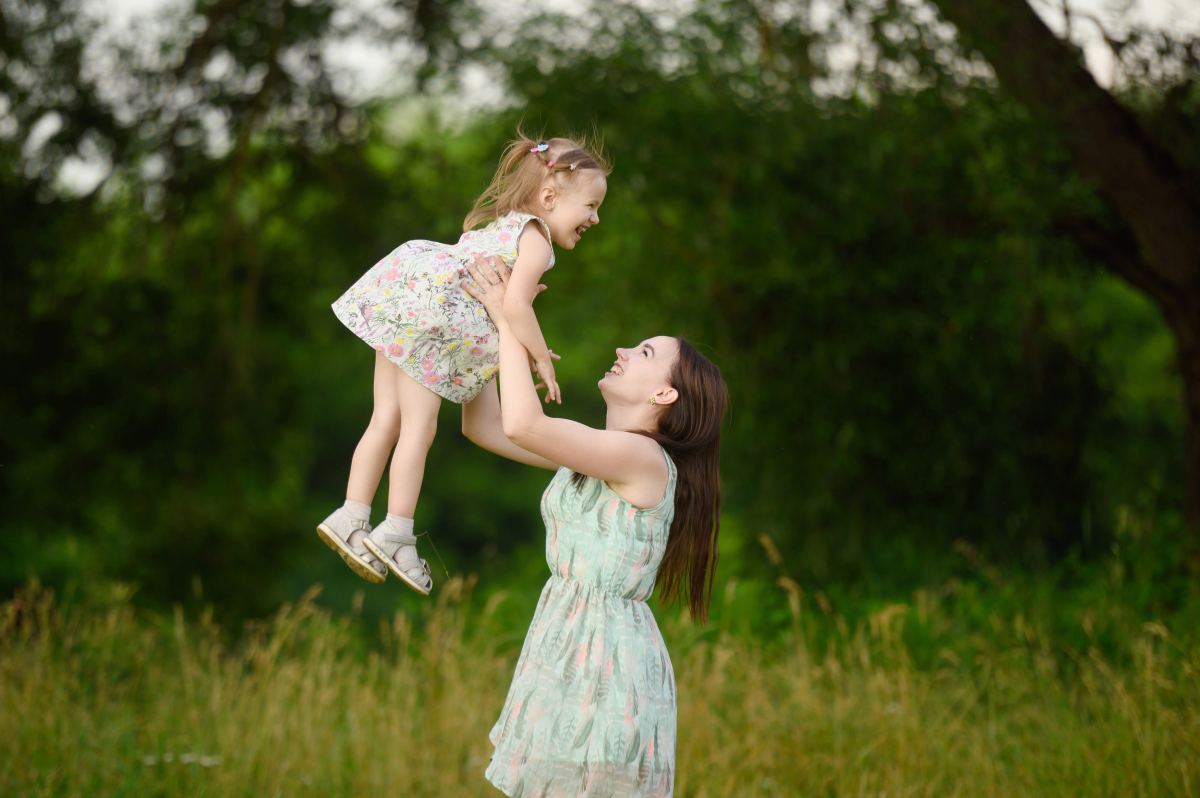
x,y
895,248
945,252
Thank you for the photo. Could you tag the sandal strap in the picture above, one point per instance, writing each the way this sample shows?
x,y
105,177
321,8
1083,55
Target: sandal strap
x,y
353,526
363,552
409,567
398,538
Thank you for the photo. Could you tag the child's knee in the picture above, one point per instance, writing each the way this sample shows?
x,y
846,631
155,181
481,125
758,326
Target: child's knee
x,y
420,431
428,430
386,424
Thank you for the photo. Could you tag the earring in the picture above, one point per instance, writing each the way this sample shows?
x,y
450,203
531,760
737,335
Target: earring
x,y
653,401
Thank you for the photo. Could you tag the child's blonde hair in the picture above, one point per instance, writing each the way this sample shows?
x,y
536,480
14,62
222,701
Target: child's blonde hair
x,y
526,165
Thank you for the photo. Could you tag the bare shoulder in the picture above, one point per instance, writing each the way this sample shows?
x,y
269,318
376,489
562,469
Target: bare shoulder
x,y
533,241
642,479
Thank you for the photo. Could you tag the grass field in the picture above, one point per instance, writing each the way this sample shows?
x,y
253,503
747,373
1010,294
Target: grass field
x,y
110,700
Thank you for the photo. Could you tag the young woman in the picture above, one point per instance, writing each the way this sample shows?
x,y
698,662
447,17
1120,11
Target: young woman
x,y
591,709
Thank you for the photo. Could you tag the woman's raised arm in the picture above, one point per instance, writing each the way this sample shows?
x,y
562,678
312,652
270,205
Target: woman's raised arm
x,y
630,463
483,425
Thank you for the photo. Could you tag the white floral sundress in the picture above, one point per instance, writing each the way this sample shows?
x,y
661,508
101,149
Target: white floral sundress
x,y
591,710
410,307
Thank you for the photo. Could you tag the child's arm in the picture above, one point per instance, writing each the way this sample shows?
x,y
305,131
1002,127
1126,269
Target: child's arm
x,y
532,260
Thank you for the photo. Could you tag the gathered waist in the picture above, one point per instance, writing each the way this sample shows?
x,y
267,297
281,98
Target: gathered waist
x,y
576,584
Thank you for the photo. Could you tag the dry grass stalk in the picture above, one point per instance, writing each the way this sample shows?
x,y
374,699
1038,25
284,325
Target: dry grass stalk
x,y
108,703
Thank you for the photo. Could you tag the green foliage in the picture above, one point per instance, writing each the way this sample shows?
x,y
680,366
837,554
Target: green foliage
x,y
916,355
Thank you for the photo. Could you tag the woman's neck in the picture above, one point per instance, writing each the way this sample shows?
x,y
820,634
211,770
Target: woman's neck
x,y
629,418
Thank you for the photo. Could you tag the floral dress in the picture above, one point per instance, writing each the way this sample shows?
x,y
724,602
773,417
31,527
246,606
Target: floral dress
x,y
591,709
410,307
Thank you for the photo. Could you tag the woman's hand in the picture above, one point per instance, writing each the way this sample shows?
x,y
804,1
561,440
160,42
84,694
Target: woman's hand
x,y
491,281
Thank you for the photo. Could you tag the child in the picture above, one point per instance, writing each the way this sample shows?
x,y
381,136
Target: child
x,y
432,341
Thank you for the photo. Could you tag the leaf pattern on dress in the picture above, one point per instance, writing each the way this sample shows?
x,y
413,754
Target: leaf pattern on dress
x,y
410,307
591,709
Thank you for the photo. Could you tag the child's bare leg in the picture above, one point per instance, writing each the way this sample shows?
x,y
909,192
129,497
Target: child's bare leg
x,y
393,539
371,454
418,425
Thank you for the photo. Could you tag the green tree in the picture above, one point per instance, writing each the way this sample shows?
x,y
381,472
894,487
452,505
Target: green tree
x,y
1143,175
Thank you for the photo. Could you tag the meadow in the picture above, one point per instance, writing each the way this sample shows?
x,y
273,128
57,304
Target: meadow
x,y
956,485
101,698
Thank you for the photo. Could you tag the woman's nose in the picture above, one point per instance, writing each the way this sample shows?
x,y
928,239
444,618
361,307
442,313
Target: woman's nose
x,y
621,353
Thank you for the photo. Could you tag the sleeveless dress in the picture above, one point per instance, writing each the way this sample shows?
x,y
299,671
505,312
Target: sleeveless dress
x,y
591,709
410,307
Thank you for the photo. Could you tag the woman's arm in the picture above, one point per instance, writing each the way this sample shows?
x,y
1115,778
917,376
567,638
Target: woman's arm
x,y
483,426
631,464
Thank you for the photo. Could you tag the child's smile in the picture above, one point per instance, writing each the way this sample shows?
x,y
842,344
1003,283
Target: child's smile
x,y
577,209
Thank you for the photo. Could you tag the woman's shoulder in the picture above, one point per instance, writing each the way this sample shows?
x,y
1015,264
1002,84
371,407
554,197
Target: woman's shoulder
x,y
659,456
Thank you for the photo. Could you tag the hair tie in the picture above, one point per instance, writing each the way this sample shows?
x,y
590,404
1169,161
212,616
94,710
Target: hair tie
x,y
542,147
550,165
572,167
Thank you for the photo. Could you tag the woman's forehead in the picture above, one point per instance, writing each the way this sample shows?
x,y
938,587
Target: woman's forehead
x,y
661,344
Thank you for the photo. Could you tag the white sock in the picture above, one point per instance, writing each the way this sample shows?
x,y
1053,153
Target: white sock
x,y
358,511
403,525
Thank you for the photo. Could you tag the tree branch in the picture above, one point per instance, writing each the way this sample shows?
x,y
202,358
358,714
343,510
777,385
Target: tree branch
x,y
1141,180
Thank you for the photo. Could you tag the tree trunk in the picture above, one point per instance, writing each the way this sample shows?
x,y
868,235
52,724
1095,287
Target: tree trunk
x,y
1143,183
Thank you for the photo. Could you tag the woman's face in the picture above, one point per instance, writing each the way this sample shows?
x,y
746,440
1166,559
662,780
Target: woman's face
x,y
641,373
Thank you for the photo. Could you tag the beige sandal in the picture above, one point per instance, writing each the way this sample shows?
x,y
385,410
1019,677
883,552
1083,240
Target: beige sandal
x,y
336,531
384,541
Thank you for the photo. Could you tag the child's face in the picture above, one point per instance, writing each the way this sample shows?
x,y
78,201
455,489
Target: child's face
x,y
576,208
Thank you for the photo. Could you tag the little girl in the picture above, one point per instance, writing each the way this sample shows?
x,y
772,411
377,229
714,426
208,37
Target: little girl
x,y
432,341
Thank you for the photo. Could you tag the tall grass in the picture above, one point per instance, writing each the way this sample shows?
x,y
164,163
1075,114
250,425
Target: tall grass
x,y
112,701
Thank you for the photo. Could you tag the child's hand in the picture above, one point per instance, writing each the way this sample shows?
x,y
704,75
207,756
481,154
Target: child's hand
x,y
545,372
533,361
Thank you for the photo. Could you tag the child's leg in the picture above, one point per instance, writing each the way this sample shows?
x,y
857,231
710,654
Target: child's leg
x,y
370,457
393,539
418,425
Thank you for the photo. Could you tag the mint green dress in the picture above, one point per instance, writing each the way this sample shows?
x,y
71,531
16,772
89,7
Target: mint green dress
x,y
591,709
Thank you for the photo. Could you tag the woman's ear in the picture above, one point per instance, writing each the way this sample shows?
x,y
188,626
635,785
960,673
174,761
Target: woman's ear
x,y
547,196
665,396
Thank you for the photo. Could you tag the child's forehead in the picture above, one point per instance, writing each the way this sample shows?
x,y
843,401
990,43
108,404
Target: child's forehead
x,y
592,182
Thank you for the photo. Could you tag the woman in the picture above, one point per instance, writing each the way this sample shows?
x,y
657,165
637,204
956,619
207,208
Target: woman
x,y
591,709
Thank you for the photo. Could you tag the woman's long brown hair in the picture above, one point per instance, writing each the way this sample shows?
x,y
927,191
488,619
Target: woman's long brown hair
x,y
690,431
